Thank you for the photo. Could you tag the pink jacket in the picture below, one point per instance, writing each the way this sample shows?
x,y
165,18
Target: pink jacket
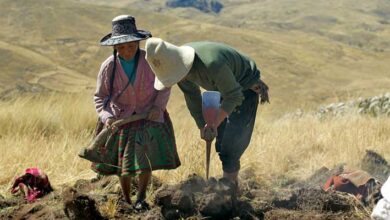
x,y
138,98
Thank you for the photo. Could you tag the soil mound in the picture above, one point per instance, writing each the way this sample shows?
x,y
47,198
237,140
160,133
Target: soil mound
x,y
197,198
216,199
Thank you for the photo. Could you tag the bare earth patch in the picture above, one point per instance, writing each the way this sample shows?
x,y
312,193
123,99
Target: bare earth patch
x,y
194,198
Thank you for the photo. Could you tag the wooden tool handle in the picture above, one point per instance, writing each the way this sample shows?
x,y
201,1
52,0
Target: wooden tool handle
x,y
208,152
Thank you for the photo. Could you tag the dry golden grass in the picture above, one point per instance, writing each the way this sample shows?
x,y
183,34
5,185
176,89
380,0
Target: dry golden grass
x,y
47,130
44,131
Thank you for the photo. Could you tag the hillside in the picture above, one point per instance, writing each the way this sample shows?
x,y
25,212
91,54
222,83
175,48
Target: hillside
x,y
359,23
302,67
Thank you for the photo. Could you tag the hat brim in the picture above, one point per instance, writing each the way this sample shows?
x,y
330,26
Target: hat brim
x,y
187,55
158,85
109,40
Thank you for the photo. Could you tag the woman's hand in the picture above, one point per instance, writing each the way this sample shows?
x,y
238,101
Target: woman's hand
x,y
154,115
109,124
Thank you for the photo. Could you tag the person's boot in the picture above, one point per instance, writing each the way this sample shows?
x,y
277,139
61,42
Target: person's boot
x,y
140,203
234,178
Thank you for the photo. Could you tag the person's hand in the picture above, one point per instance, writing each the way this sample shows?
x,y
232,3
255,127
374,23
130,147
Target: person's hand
x,y
208,133
262,89
110,124
154,115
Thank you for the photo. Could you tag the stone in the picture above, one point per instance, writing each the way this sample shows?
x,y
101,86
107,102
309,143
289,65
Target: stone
x,y
78,206
216,206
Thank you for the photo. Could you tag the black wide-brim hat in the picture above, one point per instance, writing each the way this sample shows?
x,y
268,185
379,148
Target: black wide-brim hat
x,y
124,30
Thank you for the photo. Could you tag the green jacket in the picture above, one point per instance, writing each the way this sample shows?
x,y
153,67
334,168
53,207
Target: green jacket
x,y
217,67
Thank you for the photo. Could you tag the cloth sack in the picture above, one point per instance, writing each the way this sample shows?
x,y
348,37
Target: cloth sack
x,y
33,183
356,182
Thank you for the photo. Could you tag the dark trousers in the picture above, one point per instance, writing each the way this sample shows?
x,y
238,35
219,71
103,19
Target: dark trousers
x,y
234,134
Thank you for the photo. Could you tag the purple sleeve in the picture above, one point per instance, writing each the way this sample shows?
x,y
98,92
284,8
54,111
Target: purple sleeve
x,y
161,102
162,97
102,93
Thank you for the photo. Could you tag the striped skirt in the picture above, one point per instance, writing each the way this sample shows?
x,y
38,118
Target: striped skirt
x,y
139,146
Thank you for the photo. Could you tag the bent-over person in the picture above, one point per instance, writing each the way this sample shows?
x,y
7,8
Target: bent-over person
x,y
216,67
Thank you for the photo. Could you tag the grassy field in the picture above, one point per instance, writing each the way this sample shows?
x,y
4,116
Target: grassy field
x,y
47,131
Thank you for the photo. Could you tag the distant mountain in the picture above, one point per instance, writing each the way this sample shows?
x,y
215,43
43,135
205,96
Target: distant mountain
x,y
202,5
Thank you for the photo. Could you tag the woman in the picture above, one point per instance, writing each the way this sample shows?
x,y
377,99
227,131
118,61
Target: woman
x,y
124,89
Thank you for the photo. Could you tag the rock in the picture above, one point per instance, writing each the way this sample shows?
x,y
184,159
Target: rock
x,y
215,198
78,206
175,203
216,6
183,201
170,213
164,195
202,5
216,206
194,183
221,200
374,106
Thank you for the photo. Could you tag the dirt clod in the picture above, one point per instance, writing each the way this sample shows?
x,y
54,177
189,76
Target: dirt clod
x,y
79,206
193,184
216,206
